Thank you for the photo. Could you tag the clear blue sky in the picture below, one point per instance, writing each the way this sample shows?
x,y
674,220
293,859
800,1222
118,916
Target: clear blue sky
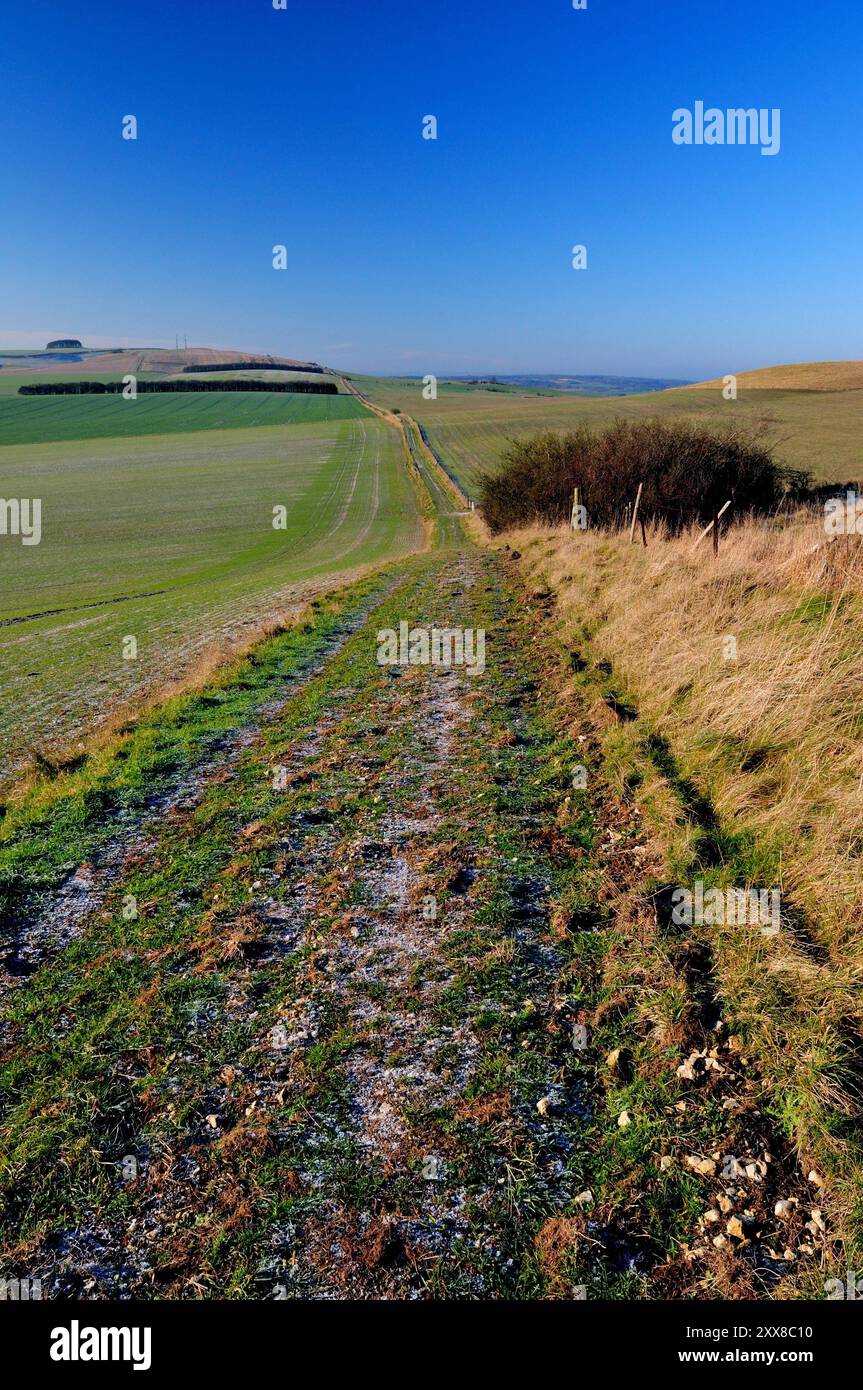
x,y
303,126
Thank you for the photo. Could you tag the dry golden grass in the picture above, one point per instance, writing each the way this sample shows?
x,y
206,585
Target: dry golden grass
x,y
794,376
791,702
772,739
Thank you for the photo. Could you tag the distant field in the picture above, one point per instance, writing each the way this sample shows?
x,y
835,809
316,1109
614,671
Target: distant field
x,y
469,427
40,419
171,540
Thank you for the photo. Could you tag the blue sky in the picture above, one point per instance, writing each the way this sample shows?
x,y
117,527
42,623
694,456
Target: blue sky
x,y
303,127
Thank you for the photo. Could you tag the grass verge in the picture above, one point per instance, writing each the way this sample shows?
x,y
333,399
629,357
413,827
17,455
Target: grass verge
x,y
725,699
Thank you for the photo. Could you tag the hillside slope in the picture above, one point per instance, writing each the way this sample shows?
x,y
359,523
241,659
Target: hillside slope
x,y
792,376
815,429
17,368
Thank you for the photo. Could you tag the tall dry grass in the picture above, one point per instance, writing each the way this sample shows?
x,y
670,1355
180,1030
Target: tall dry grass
x,y
774,741
777,733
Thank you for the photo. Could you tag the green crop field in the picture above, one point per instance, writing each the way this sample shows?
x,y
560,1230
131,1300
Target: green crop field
x,y
469,427
39,419
171,540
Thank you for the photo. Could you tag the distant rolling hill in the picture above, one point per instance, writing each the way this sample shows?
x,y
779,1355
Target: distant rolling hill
x,y
810,414
112,364
100,361
795,376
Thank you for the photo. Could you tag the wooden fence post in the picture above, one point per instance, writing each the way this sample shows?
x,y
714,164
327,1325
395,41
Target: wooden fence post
x,y
714,527
634,516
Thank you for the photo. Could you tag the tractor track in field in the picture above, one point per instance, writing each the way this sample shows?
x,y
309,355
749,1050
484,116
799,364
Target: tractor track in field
x,y
77,607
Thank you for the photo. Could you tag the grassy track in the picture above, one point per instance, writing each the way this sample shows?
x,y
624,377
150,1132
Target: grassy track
x,y
40,419
349,1041
469,428
172,542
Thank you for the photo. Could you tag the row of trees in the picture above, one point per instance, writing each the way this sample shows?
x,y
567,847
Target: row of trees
x,y
115,388
252,367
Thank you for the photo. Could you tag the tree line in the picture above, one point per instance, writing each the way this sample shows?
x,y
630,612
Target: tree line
x,y
251,367
114,388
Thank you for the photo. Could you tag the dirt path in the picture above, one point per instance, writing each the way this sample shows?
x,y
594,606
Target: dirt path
x,y
394,1089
